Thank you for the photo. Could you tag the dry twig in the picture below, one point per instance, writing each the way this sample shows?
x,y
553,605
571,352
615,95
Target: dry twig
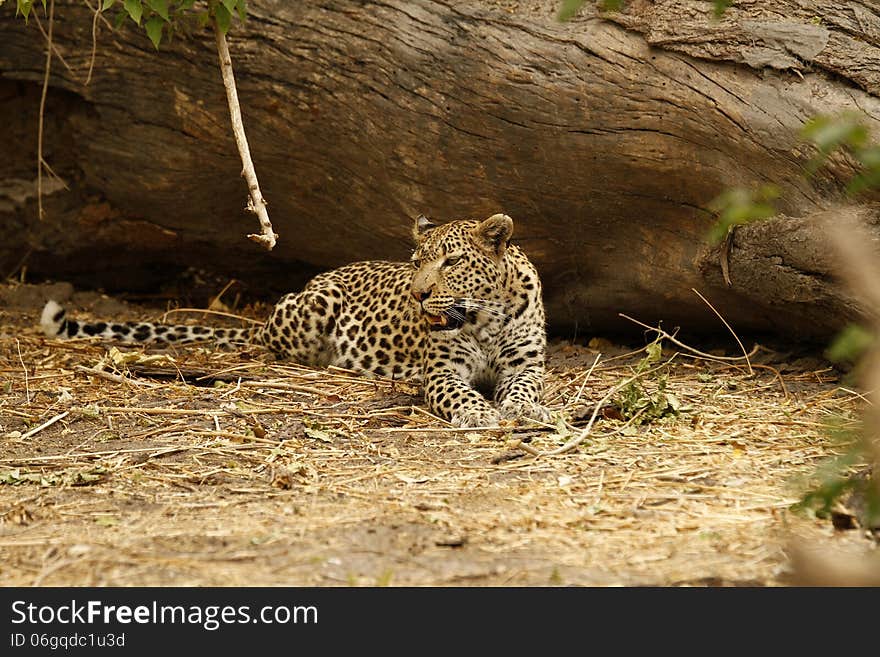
x,y
697,352
47,423
729,328
256,202
42,112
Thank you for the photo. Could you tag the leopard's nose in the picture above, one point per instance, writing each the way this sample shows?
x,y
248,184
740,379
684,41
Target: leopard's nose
x,y
420,295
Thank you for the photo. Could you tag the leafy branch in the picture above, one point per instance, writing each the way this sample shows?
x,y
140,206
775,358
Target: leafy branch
x,y
159,20
846,136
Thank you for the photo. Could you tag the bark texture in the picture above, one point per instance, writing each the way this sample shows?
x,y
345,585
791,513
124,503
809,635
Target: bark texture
x,y
605,139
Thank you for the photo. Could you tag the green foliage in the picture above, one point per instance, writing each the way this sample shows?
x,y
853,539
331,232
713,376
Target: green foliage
x,y
636,402
568,9
845,133
739,206
159,18
160,7
571,7
720,7
829,134
154,26
869,177
135,9
839,478
223,17
23,7
850,344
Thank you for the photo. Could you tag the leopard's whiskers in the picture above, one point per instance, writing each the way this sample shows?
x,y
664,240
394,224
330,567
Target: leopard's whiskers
x,y
490,307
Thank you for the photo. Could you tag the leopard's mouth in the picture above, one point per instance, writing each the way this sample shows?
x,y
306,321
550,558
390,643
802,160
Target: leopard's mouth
x,y
448,320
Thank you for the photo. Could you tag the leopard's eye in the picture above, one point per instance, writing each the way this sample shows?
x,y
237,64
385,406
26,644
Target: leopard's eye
x,y
416,263
451,260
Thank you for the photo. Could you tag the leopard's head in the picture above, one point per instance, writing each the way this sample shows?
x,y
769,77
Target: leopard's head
x,y
458,270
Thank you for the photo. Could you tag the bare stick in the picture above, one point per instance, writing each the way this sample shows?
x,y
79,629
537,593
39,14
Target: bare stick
x,y
586,378
45,424
112,377
732,332
97,11
43,110
54,48
27,389
52,173
256,202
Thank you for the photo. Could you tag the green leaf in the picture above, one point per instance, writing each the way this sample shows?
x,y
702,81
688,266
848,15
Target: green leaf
x,y
154,30
654,353
831,133
242,10
869,177
850,344
24,8
160,7
739,206
185,4
223,17
229,4
107,4
721,6
569,9
870,157
119,19
135,9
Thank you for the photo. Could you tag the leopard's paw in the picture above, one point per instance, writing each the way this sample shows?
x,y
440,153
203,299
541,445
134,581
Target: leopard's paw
x,y
510,409
476,417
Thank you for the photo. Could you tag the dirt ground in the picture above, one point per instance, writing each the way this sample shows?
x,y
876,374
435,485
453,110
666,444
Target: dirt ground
x,y
184,467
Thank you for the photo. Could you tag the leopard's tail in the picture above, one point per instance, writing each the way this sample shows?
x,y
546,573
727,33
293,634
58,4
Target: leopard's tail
x,y
55,324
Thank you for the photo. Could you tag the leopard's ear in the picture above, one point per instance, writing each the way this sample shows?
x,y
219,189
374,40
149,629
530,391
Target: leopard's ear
x,y
421,226
493,234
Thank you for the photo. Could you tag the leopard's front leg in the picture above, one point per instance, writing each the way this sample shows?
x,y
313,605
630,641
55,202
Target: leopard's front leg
x,y
520,386
449,396
519,395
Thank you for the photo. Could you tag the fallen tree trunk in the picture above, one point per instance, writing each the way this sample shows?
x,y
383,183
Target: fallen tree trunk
x,y
605,138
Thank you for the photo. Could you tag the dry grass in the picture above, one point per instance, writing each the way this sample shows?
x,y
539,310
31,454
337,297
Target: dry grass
x,y
283,475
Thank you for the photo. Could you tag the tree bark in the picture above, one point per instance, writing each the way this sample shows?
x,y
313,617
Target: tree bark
x,y
605,139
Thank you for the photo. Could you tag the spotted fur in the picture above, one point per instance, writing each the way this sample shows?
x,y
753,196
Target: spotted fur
x,y
464,317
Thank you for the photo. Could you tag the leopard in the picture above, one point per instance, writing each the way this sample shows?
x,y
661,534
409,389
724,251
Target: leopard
x,y
463,318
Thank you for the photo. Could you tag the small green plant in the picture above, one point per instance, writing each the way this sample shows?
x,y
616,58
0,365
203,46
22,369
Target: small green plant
x,y
640,405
